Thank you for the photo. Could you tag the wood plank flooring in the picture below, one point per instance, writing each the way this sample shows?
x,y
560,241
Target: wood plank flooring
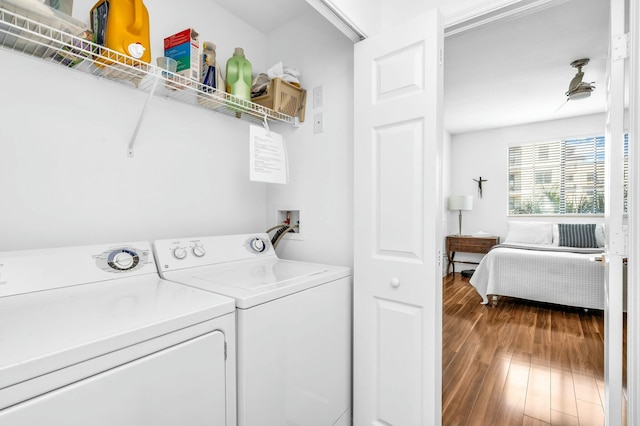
x,y
519,362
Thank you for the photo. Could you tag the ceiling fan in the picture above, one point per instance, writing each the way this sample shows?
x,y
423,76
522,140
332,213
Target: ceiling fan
x,y
578,89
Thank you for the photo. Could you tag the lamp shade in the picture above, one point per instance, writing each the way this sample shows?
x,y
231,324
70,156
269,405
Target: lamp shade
x,y
460,202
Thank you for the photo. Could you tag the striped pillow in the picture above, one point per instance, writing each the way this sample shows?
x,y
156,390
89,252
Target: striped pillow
x,y
577,235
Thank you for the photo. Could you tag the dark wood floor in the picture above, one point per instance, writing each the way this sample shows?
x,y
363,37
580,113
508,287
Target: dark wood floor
x,y
519,362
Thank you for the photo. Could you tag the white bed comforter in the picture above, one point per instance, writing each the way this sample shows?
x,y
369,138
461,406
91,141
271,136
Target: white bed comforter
x,y
560,277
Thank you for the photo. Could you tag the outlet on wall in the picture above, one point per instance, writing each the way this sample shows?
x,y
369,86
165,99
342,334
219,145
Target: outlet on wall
x,y
318,97
317,123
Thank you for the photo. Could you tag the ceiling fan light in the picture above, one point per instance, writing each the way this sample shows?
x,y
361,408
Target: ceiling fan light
x,y
577,88
579,95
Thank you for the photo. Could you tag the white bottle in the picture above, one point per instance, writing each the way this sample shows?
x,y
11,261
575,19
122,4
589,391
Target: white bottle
x,y
209,74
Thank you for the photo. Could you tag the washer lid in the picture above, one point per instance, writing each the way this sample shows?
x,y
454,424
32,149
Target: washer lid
x,y
262,274
253,282
48,330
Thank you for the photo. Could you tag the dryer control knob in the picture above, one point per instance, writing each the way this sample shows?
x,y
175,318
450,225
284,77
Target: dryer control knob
x,y
257,245
123,260
198,251
179,253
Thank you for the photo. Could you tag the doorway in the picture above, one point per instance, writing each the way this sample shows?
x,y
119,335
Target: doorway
x,y
533,93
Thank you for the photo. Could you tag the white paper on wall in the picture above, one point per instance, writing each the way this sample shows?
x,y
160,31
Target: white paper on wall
x,y
267,156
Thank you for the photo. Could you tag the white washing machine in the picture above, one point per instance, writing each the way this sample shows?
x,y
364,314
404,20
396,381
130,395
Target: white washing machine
x,y
293,326
93,336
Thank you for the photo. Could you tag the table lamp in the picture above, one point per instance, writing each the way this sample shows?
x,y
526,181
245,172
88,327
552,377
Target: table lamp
x,y
460,202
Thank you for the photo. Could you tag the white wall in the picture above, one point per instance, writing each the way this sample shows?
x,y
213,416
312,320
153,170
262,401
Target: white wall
x,y
321,165
65,178
485,154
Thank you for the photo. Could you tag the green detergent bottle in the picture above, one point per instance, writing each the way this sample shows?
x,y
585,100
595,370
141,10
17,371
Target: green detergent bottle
x,y
239,77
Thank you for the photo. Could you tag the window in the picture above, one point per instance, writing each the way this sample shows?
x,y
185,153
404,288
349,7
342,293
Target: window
x,y
564,177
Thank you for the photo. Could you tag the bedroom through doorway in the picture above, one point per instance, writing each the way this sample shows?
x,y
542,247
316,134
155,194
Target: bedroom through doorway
x,y
546,360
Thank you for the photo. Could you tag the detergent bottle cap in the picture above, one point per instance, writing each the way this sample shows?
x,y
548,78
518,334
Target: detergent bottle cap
x,y
136,50
238,51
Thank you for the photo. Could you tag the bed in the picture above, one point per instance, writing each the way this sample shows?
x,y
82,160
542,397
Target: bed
x,y
540,265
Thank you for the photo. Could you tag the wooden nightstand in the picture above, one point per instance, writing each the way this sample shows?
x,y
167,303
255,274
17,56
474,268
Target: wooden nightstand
x,y
468,244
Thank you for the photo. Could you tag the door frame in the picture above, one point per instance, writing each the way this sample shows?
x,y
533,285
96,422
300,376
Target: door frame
x,y
487,12
470,16
633,206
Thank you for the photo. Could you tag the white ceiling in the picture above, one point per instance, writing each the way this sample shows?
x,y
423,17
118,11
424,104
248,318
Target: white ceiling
x,y
265,15
509,72
516,71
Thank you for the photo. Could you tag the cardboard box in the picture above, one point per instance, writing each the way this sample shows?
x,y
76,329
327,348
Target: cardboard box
x,y
284,97
184,47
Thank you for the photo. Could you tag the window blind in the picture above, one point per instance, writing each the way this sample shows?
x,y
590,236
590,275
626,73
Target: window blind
x,y
561,177
626,169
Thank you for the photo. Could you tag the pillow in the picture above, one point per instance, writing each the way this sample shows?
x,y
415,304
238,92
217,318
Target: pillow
x,y
580,235
600,234
529,232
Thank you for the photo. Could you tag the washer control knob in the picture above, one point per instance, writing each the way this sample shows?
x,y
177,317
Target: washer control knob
x,y
198,251
257,245
123,260
179,253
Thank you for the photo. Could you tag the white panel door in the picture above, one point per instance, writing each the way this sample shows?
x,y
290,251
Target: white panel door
x,y
397,278
614,210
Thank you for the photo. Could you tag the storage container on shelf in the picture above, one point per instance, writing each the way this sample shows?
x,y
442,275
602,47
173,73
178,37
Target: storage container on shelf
x,y
239,78
184,47
284,97
122,26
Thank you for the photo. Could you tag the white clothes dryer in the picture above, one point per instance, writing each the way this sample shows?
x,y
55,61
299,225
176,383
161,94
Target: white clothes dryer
x,y
93,336
293,326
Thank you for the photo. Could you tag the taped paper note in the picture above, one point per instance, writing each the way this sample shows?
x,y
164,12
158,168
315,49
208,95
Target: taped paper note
x,y
267,156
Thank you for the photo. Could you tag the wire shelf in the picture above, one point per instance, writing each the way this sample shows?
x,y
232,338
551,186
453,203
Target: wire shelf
x,y
33,38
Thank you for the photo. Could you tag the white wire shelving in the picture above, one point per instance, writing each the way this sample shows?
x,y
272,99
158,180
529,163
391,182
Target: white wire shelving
x,y
33,38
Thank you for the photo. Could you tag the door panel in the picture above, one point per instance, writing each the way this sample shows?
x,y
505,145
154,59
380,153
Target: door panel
x,y
399,213
400,73
400,372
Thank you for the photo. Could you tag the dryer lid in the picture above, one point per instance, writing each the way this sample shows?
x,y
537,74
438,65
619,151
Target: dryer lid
x,y
48,330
